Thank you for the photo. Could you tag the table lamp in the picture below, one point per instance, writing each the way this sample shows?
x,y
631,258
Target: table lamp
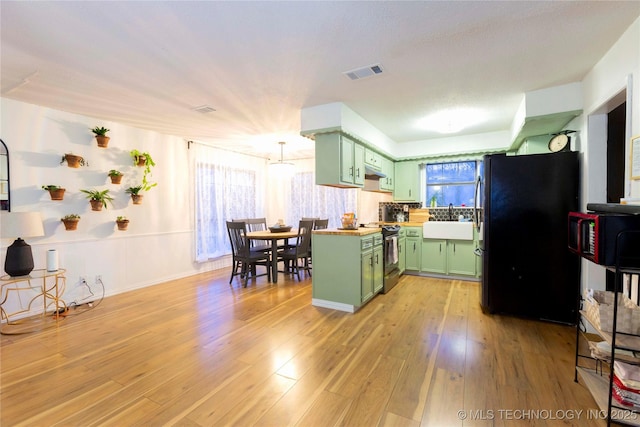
x,y
19,260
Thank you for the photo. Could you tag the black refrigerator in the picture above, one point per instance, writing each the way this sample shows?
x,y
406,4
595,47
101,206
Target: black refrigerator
x,y
527,269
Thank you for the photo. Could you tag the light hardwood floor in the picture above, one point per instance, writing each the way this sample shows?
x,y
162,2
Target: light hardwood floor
x,y
198,352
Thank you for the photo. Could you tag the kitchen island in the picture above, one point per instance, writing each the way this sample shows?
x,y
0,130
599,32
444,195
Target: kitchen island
x,y
347,267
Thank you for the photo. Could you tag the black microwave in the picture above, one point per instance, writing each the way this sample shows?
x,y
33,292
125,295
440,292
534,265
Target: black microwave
x,y
593,235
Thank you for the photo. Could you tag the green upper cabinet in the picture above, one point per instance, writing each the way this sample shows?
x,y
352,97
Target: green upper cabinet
x,y
407,185
372,159
388,169
339,161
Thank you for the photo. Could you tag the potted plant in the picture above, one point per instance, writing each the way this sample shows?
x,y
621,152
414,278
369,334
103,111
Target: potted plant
x,y
98,199
144,159
101,136
73,161
122,222
56,192
116,176
135,194
70,221
141,158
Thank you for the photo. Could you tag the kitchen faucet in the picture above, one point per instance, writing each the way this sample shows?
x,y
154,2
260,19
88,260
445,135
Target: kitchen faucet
x,y
450,211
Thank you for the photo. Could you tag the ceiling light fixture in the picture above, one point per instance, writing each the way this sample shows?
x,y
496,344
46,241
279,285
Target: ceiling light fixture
x,y
204,109
452,120
281,163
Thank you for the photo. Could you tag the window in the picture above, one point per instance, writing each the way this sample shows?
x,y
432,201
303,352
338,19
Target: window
x,y
318,201
452,182
223,191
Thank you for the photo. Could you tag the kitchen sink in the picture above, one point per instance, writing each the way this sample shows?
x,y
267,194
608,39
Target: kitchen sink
x,y
447,230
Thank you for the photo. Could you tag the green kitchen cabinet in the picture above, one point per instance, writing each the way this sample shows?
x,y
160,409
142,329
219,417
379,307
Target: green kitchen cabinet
x,y
388,169
339,161
434,256
461,259
372,159
378,268
402,249
366,282
407,185
413,248
345,273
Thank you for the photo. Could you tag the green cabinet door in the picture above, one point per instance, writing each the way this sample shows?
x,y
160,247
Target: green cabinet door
x,y
378,269
358,164
388,169
412,257
407,185
346,160
366,283
402,249
434,256
339,161
460,258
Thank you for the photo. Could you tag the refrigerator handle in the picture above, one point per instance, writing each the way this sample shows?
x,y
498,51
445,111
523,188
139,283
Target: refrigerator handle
x,y
476,202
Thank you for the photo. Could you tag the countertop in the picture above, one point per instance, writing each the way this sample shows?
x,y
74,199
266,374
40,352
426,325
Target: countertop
x,y
405,224
362,231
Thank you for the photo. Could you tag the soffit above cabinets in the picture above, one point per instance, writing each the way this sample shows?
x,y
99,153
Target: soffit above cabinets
x,y
545,112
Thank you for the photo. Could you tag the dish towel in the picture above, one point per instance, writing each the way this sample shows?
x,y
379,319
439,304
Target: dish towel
x,y
393,250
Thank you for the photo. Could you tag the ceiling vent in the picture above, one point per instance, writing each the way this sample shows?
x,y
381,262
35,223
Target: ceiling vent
x,y
364,72
204,109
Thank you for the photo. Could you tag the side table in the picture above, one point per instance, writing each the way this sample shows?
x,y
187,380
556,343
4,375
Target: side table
x,y
40,283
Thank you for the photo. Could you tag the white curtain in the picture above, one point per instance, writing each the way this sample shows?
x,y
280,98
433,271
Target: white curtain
x,y
227,186
318,201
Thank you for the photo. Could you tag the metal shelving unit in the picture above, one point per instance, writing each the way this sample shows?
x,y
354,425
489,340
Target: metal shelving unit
x,y
598,381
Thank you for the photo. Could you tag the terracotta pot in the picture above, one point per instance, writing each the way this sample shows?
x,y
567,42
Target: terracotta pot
x,y
103,140
122,225
142,160
70,224
116,179
57,194
73,161
96,205
137,199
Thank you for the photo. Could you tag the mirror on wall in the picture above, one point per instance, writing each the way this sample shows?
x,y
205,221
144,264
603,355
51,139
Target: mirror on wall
x,y
4,177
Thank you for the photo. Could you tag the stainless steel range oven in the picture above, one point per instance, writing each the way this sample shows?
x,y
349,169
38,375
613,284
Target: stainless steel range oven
x,y
391,271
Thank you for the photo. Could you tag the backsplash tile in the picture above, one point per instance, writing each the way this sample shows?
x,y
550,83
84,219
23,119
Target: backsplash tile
x,y
439,214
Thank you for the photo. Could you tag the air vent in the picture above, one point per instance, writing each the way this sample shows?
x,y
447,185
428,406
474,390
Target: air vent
x,y
204,109
364,72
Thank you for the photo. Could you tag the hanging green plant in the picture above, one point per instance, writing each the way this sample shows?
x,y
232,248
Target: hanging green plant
x,y
144,159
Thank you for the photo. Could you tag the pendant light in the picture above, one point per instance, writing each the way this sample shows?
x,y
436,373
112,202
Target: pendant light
x,y
281,164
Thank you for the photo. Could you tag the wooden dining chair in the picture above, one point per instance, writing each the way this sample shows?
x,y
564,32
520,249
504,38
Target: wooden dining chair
x,y
244,258
256,224
320,224
300,252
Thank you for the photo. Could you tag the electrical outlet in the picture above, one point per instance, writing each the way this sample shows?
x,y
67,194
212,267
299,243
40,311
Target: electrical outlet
x,y
82,279
98,278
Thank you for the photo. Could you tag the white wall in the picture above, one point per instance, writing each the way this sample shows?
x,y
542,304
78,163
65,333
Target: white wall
x,y
159,243
611,76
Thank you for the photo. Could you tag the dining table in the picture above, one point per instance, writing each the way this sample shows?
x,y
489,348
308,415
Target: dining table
x,y
273,237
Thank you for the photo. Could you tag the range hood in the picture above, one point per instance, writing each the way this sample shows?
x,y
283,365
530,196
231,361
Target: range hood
x,y
373,174
373,185
545,112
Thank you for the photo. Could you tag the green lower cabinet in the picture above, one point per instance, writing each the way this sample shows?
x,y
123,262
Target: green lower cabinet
x,y
449,257
412,256
434,256
345,275
461,259
366,284
378,269
402,249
